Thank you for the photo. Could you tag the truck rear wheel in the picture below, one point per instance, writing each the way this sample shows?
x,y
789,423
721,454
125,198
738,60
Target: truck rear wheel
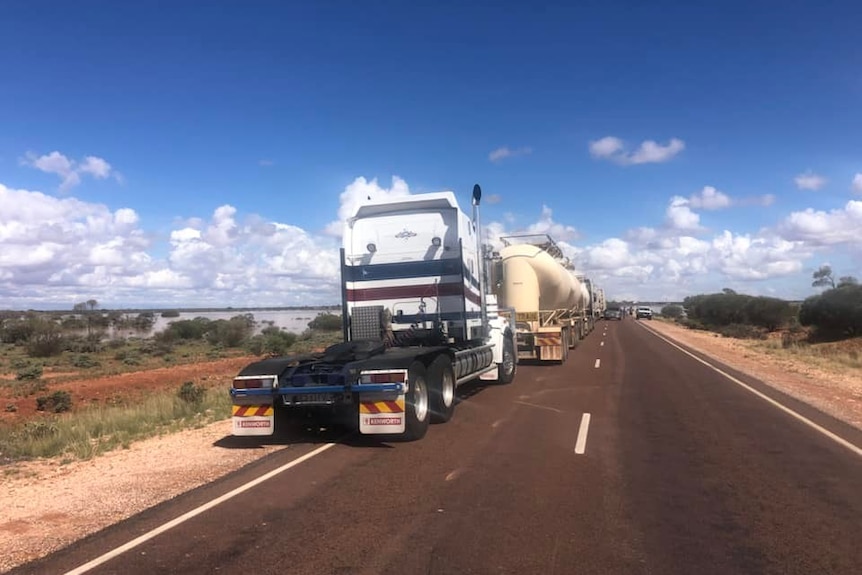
x,y
417,402
441,384
507,367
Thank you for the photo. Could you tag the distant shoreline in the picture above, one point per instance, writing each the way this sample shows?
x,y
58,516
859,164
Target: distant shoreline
x,y
157,310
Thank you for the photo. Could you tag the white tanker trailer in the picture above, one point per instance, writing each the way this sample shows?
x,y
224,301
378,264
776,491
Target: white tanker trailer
x,y
552,306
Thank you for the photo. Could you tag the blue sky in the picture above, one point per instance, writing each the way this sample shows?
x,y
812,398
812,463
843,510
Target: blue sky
x,y
201,154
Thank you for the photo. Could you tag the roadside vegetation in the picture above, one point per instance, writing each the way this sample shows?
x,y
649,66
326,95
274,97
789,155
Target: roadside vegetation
x,y
825,330
41,350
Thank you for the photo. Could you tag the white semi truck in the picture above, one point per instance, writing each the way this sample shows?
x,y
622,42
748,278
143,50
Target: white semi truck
x,y
417,319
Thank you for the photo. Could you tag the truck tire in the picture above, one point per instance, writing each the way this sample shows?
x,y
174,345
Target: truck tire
x,y
416,404
506,369
441,387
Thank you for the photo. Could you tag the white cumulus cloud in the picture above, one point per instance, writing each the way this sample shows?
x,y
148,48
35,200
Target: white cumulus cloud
x,y
709,198
505,152
69,170
679,216
648,152
857,183
821,228
810,181
361,190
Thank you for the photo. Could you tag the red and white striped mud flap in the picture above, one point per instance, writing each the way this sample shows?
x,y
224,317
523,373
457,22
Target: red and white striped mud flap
x,y
381,413
253,419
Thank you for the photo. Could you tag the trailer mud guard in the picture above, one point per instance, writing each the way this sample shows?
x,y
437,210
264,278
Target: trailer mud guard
x,y
382,413
253,419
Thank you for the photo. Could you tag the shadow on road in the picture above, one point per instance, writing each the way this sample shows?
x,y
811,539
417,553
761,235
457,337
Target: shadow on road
x,y
471,388
307,434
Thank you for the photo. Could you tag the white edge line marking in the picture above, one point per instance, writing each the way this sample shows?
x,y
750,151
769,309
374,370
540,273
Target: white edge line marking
x,y
583,430
598,363
194,512
836,438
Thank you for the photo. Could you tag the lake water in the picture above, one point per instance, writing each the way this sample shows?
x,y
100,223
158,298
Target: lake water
x,y
290,320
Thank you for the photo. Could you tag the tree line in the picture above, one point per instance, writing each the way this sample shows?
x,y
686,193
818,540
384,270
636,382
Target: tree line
x,y
834,313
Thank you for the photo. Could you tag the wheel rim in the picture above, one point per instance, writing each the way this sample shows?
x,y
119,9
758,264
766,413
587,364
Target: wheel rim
x,y
448,388
420,398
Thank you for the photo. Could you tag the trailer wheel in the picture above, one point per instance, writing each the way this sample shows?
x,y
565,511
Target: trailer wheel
x,y
441,384
506,369
417,402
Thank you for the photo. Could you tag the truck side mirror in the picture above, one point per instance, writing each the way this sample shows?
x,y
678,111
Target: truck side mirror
x,y
477,194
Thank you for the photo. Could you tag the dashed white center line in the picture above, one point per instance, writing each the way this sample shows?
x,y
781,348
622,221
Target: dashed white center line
x,y
581,444
602,344
598,363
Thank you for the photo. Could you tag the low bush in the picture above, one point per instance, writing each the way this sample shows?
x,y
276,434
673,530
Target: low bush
x,y
46,340
29,372
19,363
835,313
83,344
325,322
85,361
672,311
742,331
191,393
57,402
691,323
271,341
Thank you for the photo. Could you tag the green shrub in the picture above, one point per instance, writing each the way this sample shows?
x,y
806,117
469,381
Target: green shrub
x,y
672,311
742,331
85,361
39,429
19,363
729,308
232,332
57,402
17,331
29,372
156,348
46,340
691,323
326,321
191,393
271,341
834,313
186,329
91,343
117,343
768,312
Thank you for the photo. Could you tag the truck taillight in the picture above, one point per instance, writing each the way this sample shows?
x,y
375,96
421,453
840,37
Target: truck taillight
x,y
252,382
383,377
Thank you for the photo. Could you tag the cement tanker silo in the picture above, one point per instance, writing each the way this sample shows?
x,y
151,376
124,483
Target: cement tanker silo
x,y
550,302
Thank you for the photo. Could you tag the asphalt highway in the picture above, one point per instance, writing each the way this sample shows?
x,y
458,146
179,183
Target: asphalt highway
x,y
632,457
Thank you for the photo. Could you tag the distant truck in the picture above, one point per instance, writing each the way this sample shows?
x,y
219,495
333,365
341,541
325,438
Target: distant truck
x,y
553,308
597,303
643,312
417,322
